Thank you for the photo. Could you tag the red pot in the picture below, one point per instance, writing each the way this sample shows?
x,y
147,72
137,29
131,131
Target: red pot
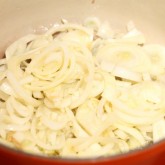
x,y
150,155
20,17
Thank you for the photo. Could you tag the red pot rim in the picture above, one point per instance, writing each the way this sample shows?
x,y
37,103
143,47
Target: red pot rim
x,y
148,151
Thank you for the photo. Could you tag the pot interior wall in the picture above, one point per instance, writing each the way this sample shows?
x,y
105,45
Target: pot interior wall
x,y
18,18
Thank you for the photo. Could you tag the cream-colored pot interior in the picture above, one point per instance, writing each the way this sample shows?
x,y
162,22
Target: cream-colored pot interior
x,y
19,17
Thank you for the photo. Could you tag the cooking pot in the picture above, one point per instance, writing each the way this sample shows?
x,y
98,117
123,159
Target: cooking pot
x,y
21,17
